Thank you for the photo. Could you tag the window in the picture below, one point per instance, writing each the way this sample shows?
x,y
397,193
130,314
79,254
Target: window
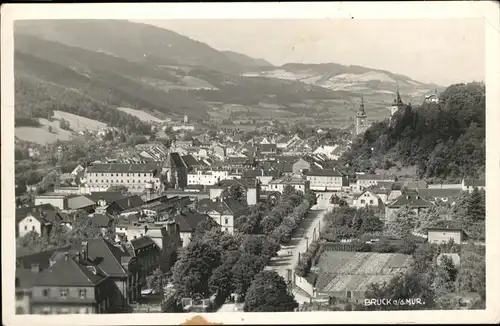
x,y
349,294
45,292
33,228
362,201
25,228
82,293
371,201
227,221
64,293
227,230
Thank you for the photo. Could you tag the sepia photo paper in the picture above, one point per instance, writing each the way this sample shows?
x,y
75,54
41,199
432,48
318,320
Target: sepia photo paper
x,y
250,163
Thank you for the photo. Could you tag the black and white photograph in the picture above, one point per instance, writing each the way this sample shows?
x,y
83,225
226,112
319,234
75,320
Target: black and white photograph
x,y
224,166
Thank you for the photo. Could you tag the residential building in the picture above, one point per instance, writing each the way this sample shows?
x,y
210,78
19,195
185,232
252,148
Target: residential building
x,y
469,186
57,200
210,177
220,151
39,219
223,211
136,178
267,149
323,180
188,221
364,181
444,235
442,196
301,166
410,199
298,183
123,204
71,285
250,188
282,142
330,152
105,198
81,203
367,199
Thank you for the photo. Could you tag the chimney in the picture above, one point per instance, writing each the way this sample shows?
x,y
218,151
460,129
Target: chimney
x,y
35,268
85,250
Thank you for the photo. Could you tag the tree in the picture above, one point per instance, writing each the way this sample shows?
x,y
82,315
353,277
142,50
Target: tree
x,y
192,271
444,279
268,293
157,280
64,124
221,280
236,192
311,197
244,271
409,285
403,223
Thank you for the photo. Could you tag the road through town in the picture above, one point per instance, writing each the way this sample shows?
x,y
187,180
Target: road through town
x,y
288,255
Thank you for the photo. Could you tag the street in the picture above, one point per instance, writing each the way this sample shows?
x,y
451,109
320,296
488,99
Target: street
x,y
288,255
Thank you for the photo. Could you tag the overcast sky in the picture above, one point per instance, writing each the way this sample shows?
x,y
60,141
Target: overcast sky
x,y
443,51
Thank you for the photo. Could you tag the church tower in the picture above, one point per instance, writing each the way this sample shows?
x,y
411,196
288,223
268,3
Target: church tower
x,y
397,104
361,124
185,117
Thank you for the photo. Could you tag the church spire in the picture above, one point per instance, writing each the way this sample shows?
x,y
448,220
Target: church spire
x,y
362,106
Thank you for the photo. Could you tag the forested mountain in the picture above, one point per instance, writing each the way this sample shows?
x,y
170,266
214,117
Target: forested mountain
x,y
247,61
134,42
123,64
445,140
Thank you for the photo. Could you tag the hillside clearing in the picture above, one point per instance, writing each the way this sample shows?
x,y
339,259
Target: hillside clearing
x,y
141,115
78,123
41,135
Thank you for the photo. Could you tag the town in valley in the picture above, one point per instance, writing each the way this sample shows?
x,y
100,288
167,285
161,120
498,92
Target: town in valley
x,y
154,173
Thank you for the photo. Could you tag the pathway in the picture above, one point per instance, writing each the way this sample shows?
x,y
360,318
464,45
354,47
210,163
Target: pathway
x,y
288,255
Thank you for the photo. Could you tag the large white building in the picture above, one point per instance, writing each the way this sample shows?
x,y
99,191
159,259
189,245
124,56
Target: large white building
x,y
135,177
323,180
298,183
210,177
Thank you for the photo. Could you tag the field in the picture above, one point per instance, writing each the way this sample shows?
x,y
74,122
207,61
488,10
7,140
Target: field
x,y
143,116
41,135
354,271
78,123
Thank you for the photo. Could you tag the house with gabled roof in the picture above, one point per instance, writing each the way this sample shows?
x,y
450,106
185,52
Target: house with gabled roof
x,y
411,199
223,211
367,198
71,285
39,219
325,179
469,185
123,204
188,221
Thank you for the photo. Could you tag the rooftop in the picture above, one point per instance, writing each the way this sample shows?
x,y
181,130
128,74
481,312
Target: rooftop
x,y
123,168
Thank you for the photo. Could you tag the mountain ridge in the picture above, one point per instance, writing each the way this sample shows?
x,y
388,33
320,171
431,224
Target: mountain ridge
x,y
131,65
